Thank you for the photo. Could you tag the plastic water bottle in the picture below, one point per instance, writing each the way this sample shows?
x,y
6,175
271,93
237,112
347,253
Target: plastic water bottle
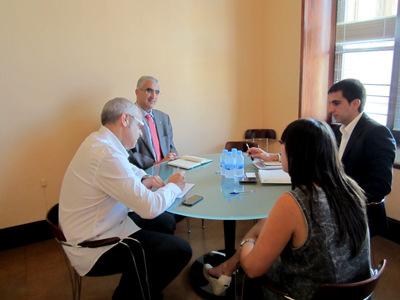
x,y
234,153
229,166
222,160
239,165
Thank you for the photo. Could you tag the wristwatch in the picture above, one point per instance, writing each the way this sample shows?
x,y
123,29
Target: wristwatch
x,y
144,177
247,240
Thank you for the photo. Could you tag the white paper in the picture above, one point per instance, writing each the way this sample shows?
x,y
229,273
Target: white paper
x,y
187,188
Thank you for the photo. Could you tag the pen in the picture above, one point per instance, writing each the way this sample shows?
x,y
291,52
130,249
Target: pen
x,y
241,192
248,148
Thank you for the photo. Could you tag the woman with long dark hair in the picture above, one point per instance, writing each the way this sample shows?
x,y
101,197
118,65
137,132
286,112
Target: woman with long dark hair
x,y
316,233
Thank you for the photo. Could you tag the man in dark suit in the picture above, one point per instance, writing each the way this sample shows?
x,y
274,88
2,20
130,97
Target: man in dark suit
x,y
367,148
145,155
153,147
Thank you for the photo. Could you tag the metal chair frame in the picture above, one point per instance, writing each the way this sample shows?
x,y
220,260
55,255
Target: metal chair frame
x,y
355,291
371,238
76,279
188,224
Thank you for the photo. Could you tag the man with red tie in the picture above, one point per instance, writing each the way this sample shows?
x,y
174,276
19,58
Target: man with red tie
x,y
153,147
156,145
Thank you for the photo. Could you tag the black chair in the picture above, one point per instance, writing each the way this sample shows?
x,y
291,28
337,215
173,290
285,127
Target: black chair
x,y
240,145
260,134
76,279
355,291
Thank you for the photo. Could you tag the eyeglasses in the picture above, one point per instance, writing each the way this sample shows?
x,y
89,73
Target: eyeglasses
x,y
141,123
151,91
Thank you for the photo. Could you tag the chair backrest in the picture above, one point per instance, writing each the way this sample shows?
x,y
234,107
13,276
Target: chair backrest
x,y
240,145
52,220
260,134
355,291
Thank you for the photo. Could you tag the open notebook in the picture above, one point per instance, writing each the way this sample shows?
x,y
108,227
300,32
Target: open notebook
x,y
274,176
189,162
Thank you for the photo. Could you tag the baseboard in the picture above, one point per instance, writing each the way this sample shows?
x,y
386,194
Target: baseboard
x,y
26,234
39,231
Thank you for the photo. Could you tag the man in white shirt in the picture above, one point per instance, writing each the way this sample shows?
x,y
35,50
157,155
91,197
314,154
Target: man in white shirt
x,y
99,188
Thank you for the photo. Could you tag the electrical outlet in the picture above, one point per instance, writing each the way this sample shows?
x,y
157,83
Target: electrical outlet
x,y
43,182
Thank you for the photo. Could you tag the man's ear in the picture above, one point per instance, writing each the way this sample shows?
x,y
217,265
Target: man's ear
x,y
355,104
124,119
137,92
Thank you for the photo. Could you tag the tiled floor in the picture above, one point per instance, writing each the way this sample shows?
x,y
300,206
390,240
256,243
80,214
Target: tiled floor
x,y
38,271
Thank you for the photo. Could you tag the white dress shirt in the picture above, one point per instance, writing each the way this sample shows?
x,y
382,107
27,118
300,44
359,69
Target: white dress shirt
x,y
346,133
99,187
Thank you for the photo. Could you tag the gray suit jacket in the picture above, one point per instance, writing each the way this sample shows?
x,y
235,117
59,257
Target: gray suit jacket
x,y
368,159
142,155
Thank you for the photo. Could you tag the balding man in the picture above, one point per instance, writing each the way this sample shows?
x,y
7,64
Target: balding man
x,y
99,188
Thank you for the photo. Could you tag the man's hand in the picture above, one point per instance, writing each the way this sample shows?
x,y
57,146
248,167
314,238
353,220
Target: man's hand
x,y
153,181
178,179
168,157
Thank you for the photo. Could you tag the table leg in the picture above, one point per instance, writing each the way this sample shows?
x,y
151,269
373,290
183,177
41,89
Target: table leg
x,y
229,234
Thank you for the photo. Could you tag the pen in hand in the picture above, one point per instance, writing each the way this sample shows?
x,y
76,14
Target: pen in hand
x,y
249,151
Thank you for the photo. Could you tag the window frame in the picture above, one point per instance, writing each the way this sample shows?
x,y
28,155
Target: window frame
x,y
317,62
394,99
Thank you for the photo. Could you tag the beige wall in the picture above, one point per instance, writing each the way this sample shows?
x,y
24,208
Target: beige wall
x,y
217,62
224,66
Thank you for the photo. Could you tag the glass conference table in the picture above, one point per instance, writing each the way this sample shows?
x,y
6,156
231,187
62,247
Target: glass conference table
x,y
218,203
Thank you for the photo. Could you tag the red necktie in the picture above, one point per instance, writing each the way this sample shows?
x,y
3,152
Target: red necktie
x,y
154,137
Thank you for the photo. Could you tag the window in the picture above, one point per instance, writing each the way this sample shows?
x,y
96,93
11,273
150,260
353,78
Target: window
x,y
365,47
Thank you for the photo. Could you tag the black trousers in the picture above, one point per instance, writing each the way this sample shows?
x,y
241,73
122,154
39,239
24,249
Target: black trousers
x,y
166,256
163,223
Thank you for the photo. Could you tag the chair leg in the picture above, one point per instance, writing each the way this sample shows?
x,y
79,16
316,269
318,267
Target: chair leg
x,y
137,270
78,286
72,274
371,247
188,224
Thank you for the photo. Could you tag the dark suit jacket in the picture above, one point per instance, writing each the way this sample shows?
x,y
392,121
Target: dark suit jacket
x,y
142,155
368,159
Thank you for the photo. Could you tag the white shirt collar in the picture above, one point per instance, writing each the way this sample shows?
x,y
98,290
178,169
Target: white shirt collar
x,y
349,128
